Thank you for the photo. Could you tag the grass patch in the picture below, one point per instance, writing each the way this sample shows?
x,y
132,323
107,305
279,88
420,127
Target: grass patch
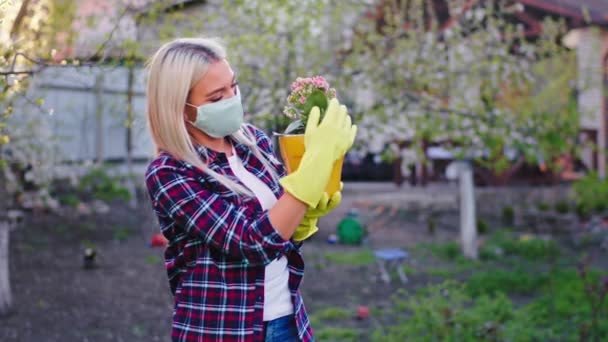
x,y
329,314
153,259
441,272
87,244
409,270
495,281
358,258
460,265
337,334
121,234
446,251
445,312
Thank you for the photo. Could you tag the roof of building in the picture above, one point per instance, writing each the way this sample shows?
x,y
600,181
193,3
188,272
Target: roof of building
x,y
586,11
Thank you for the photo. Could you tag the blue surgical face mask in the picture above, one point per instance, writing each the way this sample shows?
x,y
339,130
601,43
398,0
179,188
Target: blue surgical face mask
x,y
220,119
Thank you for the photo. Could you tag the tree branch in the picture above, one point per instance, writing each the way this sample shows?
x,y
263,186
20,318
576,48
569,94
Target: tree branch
x,y
10,73
19,19
41,64
105,43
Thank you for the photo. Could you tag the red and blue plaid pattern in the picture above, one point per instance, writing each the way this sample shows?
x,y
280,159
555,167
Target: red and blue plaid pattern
x,y
219,245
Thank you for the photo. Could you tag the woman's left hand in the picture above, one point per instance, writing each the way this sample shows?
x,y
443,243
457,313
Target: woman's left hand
x,y
308,226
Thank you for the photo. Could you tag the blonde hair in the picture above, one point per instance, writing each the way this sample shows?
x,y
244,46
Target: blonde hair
x,y
172,72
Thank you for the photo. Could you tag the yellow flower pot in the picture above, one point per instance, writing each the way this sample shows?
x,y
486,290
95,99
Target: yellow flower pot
x,y
292,150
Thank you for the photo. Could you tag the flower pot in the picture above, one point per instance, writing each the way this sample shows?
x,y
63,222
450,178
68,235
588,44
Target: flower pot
x,y
292,150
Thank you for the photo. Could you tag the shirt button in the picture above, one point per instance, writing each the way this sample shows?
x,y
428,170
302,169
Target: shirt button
x,y
260,298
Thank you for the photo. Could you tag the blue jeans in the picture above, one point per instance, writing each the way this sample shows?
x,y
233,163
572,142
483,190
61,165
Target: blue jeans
x,y
282,329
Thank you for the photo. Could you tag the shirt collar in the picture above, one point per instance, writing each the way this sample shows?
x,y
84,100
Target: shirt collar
x,y
211,156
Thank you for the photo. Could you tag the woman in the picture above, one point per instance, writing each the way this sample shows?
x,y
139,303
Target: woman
x,y
225,203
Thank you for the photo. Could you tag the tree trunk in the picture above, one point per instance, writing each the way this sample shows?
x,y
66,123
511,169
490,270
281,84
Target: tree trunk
x,y
6,299
397,173
490,177
504,177
424,177
19,19
468,219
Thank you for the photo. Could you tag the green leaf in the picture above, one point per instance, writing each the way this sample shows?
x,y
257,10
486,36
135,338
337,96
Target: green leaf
x,y
318,99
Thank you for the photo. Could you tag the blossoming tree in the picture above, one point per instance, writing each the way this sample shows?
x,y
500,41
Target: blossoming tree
x,y
27,35
462,81
33,35
474,82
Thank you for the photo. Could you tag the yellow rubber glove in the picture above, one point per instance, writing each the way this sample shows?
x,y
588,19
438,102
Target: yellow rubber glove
x,y
324,143
308,226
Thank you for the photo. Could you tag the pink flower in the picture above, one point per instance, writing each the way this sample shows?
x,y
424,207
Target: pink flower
x,y
300,91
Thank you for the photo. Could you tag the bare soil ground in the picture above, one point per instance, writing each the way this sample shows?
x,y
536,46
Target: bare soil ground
x,y
126,298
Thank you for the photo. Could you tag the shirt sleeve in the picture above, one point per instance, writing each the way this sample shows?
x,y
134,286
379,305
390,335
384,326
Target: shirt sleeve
x,y
219,223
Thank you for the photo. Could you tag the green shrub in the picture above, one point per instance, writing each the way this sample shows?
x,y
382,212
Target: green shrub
x,y
533,248
482,226
431,225
103,186
508,215
69,199
542,206
591,194
560,312
489,252
481,310
562,207
582,210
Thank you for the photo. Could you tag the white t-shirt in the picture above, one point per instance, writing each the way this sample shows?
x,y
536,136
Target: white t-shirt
x,y
277,298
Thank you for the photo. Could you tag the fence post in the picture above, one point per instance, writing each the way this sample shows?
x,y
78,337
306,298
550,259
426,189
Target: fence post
x,y
130,118
99,140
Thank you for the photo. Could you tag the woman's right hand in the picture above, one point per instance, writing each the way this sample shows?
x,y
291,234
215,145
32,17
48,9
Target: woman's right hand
x,y
335,132
325,142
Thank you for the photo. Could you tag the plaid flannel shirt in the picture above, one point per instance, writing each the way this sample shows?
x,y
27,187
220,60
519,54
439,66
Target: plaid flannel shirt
x,y
219,245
